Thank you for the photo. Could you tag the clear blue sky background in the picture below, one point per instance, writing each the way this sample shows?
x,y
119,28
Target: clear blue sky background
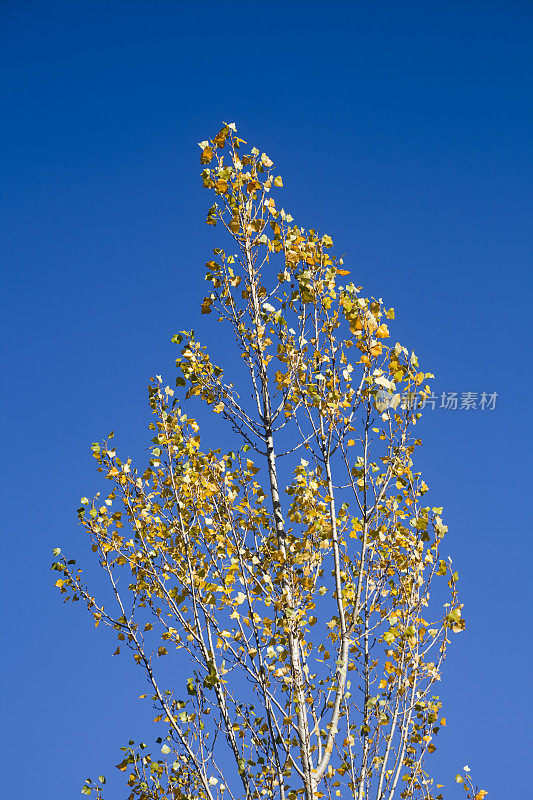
x,y
403,129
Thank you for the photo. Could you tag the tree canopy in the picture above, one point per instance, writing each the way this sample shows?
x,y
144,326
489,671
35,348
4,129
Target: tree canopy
x,y
291,575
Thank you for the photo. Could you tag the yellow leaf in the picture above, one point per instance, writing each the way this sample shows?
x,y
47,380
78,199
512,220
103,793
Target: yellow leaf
x,y
481,794
382,332
207,155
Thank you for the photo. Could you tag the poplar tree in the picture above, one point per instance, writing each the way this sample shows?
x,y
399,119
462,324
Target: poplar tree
x,y
289,579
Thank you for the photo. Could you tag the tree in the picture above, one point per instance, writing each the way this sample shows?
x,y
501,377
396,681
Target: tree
x,y
303,610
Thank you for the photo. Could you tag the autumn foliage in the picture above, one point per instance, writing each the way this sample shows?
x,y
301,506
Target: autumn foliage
x,y
288,580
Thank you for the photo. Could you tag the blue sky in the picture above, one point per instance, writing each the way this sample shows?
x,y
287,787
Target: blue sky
x,y
404,131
